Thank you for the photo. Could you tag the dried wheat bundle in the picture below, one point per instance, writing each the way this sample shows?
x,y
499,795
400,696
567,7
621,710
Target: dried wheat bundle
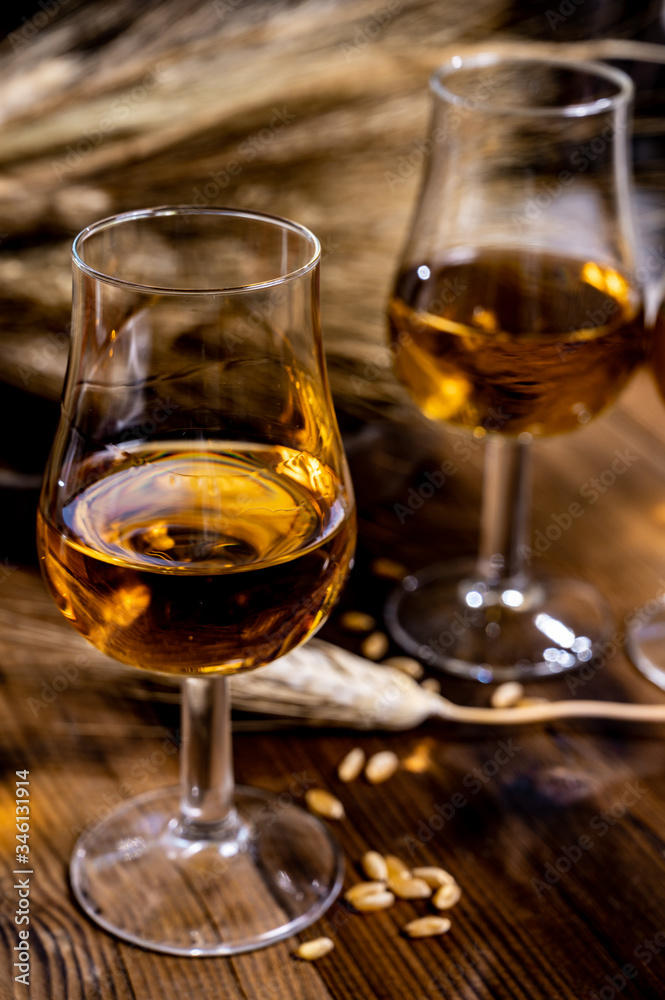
x,y
323,683
318,683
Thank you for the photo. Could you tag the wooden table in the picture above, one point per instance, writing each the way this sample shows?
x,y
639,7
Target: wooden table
x,y
556,833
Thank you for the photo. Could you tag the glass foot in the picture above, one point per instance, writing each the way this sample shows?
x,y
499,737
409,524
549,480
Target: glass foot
x,y
645,644
449,620
275,873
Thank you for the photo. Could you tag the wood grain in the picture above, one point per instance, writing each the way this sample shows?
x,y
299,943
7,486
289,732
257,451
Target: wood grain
x,y
514,934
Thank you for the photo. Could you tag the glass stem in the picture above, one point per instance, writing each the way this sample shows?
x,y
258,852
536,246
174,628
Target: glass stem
x,y
206,758
505,526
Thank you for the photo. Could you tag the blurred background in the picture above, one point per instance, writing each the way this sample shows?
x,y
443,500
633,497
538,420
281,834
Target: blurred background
x,y
310,109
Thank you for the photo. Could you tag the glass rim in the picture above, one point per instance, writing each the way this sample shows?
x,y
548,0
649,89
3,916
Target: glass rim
x,y
489,58
171,210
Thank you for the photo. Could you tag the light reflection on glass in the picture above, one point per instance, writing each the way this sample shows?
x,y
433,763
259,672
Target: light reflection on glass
x,y
513,598
555,630
582,647
558,658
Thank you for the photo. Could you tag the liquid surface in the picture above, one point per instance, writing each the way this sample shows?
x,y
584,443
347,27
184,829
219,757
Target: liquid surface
x,y
512,341
190,561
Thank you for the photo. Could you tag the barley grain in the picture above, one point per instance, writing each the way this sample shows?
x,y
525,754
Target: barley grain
x,y
357,621
381,766
324,803
427,927
362,889
374,901
396,866
374,866
446,896
406,887
375,646
434,876
351,766
317,948
406,665
507,695
388,569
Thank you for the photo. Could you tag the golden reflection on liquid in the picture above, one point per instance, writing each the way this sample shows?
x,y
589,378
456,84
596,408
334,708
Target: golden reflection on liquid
x,y
606,280
420,758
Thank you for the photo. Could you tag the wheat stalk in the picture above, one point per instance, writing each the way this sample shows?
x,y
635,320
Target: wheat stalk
x,y
318,683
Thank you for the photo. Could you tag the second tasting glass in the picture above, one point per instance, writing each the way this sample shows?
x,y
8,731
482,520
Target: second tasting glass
x,y
197,520
515,315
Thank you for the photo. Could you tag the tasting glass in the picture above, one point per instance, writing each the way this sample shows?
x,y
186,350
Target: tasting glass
x,y
645,63
515,314
197,519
